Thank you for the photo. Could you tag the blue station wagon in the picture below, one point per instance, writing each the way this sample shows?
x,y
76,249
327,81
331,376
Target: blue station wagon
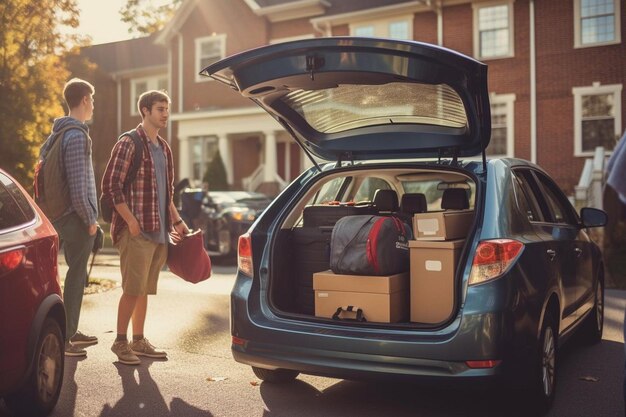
x,y
399,128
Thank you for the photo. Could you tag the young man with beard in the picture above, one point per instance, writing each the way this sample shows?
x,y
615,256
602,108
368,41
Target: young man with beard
x,y
143,216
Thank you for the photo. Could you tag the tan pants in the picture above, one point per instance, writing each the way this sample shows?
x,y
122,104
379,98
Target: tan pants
x,y
141,261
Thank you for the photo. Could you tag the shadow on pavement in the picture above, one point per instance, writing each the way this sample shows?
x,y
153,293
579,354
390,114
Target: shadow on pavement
x,y
142,396
577,386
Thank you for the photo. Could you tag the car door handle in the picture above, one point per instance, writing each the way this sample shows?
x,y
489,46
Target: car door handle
x,y
551,253
578,252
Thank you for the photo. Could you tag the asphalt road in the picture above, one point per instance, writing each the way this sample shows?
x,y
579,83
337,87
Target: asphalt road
x,y
200,377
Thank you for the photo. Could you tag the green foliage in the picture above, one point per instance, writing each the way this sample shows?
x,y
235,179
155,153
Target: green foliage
x,y
215,174
144,17
32,75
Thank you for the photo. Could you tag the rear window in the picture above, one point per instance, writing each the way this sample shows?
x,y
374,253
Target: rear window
x,y
433,191
348,107
14,208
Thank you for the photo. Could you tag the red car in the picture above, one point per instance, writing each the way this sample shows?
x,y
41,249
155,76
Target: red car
x,y
32,316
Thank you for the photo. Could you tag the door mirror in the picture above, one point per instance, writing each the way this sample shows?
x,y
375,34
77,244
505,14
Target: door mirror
x,y
593,217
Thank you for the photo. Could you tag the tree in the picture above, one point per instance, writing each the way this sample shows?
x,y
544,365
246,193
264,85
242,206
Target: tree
x,y
32,75
145,17
215,174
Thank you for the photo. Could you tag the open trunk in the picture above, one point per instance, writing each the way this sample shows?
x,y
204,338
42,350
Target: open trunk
x,y
430,287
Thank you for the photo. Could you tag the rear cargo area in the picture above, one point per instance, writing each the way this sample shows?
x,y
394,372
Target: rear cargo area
x,y
436,208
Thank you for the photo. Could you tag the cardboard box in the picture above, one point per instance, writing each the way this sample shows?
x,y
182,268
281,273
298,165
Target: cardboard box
x,y
433,267
383,299
442,225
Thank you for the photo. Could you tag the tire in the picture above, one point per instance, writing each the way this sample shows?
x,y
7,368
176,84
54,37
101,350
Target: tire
x,y
591,329
543,382
276,376
42,388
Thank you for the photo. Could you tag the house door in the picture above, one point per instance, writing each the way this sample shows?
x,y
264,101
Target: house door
x,y
246,158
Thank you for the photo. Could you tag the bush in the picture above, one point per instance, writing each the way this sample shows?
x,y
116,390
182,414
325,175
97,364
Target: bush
x,y
215,174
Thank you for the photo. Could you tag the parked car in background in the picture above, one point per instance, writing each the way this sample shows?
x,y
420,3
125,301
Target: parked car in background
x,y
409,122
222,215
32,321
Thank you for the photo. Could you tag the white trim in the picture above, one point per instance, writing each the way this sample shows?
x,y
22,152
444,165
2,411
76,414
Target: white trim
x,y
143,71
291,38
181,91
216,114
595,89
578,32
219,37
292,10
476,30
533,84
509,101
381,25
152,83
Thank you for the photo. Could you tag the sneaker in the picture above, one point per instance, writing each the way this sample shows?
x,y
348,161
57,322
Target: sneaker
x,y
144,348
124,354
82,339
73,350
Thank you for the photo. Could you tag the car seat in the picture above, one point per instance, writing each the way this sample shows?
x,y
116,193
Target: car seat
x,y
455,199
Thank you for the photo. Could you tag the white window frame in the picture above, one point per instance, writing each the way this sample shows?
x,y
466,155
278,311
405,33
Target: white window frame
x,y
198,48
204,158
381,26
578,41
153,84
482,5
509,101
595,89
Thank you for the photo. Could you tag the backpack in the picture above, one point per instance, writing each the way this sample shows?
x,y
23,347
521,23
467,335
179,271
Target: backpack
x,y
106,205
51,190
370,245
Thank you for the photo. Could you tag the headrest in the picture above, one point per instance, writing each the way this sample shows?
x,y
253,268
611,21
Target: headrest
x,y
386,200
455,199
412,203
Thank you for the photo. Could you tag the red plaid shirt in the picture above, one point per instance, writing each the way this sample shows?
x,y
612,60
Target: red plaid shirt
x,y
141,196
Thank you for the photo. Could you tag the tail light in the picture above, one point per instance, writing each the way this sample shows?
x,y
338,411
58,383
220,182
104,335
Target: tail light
x,y
11,259
244,254
493,258
483,364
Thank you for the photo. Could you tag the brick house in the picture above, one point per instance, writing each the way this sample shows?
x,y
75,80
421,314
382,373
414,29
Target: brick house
x,y
556,75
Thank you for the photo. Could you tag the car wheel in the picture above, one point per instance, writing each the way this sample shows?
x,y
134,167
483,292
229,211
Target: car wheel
x,y
544,375
275,375
591,330
41,390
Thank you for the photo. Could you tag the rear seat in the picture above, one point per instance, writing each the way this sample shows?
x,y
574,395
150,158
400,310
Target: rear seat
x,y
386,202
410,204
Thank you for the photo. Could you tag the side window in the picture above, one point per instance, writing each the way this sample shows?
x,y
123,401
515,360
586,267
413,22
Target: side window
x,y
329,191
14,208
525,199
559,207
368,187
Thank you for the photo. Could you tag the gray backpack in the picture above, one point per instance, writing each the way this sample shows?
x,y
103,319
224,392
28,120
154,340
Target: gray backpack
x,y
370,245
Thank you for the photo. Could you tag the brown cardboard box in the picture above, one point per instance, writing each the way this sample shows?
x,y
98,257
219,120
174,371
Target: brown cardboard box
x,y
383,299
442,225
433,266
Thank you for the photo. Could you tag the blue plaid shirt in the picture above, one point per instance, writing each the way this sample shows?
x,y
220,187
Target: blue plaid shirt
x,y
79,170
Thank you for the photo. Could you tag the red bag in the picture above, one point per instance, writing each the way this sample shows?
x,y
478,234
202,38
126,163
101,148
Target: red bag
x,y
187,258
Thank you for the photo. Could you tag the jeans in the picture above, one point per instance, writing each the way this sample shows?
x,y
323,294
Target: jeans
x,y
77,245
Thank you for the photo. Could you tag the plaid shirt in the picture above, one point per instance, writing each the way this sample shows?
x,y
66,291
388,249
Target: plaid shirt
x,y
141,196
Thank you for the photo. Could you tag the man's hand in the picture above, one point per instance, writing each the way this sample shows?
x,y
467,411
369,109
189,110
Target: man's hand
x,y
134,228
181,229
92,229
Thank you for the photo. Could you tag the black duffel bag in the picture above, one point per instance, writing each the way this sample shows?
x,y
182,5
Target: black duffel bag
x,y
370,245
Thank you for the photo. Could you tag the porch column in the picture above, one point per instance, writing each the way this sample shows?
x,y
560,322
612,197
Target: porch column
x,y
269,173
184,168
224,147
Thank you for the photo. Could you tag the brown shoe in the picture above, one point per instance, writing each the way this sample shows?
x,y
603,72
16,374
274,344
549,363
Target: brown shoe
x,y
73,350
124,354
144,348
81,339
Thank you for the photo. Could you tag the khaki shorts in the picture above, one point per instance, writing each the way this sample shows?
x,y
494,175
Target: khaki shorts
x,y
141,260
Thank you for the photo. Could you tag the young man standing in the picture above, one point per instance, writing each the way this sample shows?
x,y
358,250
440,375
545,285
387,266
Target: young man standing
x,y
77,226
143,216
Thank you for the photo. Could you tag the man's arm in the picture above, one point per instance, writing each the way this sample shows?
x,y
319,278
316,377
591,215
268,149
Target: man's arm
x,y
180,228
76,171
